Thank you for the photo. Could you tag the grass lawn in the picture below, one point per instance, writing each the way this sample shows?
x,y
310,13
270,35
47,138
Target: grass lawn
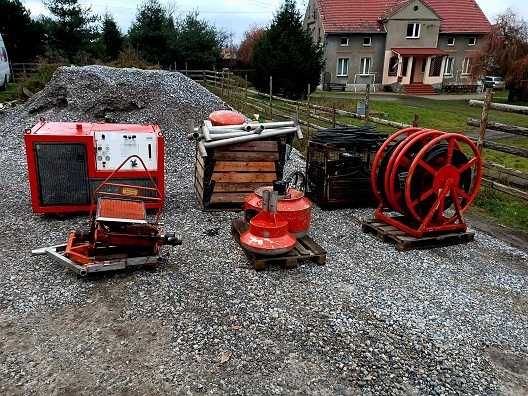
x,y
9,94
502,209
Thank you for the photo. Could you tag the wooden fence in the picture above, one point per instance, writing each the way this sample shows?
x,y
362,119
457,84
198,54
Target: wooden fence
x,y
497,176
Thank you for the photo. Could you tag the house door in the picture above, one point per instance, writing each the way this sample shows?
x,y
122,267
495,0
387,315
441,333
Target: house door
x,y
418,70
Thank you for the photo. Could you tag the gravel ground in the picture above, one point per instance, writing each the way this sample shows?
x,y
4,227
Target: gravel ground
x,y
372,321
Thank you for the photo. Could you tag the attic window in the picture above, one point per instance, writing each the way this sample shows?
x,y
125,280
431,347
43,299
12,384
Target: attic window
x,y
472,41
415,8
344,42
450,41
367,41
413,30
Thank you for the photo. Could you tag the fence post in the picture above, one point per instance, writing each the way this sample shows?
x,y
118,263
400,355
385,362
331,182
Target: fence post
x,y
271,97
186,69
484,118
334,114
222,84
367,98
308,105
24,70
203,76
415,120
246,87
214,72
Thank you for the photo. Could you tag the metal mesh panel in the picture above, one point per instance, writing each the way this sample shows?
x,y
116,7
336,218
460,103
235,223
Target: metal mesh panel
x,y
62,173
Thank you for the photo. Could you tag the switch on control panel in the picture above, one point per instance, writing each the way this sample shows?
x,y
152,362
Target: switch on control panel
x,y
114,147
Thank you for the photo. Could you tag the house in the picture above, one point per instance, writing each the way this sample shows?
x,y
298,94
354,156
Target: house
x,y
411,45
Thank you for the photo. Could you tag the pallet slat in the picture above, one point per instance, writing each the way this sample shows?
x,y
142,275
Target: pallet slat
x,y
404,242
237,177
251,146
306,249
238,187
246,156
231,166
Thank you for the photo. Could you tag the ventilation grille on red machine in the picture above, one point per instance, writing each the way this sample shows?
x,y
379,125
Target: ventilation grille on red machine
x,y
62,173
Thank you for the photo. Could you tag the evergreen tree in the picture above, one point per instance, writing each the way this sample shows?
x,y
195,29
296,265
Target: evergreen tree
x,y
23,36
72,31
198,43
287,52
153,32
111,37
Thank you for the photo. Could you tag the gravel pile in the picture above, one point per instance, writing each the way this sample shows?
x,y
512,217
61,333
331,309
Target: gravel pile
x,y
373,321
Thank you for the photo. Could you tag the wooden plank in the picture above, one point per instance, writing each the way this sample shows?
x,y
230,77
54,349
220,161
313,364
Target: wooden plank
x,y
505,189
521,152
199,171
218,198
248,177
509,171
246,156
264,145
238,187
236,166
501,107
497,126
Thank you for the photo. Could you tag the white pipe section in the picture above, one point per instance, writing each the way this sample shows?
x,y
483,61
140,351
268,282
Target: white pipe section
x,y
249,138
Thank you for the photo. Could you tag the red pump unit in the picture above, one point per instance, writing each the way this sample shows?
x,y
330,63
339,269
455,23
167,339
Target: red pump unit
x,y
67,161
429,177
292,207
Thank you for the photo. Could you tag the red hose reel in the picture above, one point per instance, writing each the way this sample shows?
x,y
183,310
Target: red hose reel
x,y
429,177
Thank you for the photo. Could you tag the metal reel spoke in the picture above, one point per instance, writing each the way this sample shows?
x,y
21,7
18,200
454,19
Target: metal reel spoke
x,y
468,165
427,167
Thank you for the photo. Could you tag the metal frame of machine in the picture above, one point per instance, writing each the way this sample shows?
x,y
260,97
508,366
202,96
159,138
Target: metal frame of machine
x,y
120,236
81,147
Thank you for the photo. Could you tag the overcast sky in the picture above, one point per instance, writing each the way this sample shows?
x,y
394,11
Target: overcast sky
x,y
235,16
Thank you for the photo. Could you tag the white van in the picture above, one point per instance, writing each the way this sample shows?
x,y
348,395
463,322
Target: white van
x,y
5,74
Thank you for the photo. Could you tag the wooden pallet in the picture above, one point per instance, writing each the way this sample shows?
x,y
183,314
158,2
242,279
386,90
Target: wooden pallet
x,y
403,241
224,178
305,249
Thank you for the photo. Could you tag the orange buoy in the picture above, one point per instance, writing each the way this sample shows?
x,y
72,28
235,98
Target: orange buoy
x,y
226,117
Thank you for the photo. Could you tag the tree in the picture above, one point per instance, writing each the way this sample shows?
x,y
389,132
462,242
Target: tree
x,y
198,43
22,35
153,33
72,31
251,37
111,38
287,52
506,53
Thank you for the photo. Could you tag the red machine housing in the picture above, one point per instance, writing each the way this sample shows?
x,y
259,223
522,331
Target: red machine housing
x,y
67,161
292,207
268,235
226,117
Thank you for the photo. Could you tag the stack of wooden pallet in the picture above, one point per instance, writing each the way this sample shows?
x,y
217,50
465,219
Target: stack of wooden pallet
x,y
227,174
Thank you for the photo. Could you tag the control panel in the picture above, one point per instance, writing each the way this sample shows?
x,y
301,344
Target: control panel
x,y
112,148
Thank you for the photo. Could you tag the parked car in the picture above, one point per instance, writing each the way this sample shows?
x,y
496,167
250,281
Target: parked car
x,y
495,82
5,73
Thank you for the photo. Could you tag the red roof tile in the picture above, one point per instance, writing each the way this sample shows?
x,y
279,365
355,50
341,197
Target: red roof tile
x,y
457,16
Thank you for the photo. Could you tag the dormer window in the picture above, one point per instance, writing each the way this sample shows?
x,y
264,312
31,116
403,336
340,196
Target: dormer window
x,y
451,41
413,30
472,41
367,41
344,42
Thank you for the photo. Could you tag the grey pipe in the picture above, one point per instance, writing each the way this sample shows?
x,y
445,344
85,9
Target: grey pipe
x,y
202,149
248,127
250,138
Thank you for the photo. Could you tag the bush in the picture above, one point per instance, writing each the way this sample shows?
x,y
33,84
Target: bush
x,y
36,81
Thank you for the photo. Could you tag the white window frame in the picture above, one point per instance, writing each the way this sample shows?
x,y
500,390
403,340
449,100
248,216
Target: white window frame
x,y
362,66
369,41
466,66
451,38
416,32
451,62
474,41
341,42
345,61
